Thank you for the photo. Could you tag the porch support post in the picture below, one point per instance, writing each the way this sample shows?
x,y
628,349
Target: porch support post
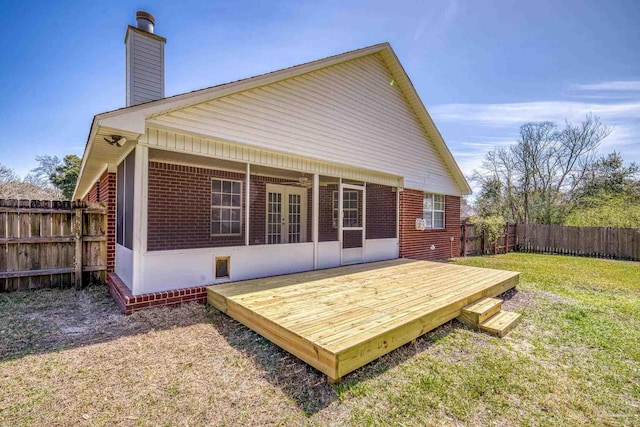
x,y
398,214
140,208
340,216
315,201
364,222
247,201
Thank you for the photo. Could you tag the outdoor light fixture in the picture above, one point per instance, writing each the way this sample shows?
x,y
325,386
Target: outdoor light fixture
x,y
116,140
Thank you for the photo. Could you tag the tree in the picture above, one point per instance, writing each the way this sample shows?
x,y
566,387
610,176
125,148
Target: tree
x,y
62,174
609,196
12,187
491,201
535,180
66,175
609,175
466,209
46,167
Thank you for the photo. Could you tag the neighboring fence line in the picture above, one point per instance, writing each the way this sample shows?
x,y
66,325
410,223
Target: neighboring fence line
x,y
600,242
46,244
478,243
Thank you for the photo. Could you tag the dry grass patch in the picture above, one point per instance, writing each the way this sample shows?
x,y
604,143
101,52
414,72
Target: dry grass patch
x,y
72,359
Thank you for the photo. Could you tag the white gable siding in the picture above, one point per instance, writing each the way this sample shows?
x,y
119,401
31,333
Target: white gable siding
x,y
348,114
145,68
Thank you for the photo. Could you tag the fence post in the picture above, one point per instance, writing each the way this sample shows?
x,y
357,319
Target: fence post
x,y
506,238
463,246
77,234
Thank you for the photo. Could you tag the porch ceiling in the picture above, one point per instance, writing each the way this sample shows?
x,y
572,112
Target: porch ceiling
x,y
101,154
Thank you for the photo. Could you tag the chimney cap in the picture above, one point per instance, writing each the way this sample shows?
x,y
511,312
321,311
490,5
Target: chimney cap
x,y
141,14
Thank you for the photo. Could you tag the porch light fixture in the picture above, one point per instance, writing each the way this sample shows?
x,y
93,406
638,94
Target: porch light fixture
x,y
116,140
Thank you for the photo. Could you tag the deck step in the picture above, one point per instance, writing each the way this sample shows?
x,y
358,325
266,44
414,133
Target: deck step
x,y
500,324
479,311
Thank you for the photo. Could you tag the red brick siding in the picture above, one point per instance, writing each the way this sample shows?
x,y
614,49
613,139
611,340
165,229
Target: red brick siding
x,y
106,192
179,210
92,195
381,212
129,303
326,232
416,244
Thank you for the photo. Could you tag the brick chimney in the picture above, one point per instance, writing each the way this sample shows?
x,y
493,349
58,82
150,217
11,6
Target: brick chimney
x,y
145,61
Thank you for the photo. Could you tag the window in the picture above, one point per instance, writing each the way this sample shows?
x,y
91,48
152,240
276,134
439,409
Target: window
x,y
433,210
349,207
226,207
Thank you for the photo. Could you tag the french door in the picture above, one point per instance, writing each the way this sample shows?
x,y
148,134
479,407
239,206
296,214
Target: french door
x,y
286,214
352,203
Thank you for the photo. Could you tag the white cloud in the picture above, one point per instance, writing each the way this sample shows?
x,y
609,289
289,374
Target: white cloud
x,y
510,114
486,143
616,85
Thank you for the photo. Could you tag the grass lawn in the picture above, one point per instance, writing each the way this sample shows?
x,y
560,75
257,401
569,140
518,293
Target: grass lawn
x,y
68,358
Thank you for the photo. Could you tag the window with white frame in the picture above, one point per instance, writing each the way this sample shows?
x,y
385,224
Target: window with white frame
x,y
350,200
226,207
433,210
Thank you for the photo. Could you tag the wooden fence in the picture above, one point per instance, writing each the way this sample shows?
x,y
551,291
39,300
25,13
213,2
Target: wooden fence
x,y
601,242
477,243
47,244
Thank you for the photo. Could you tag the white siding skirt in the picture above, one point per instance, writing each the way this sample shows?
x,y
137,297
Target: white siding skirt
x,y
124,265
175,269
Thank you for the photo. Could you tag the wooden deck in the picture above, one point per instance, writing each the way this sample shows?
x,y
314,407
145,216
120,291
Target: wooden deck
x,y
340,319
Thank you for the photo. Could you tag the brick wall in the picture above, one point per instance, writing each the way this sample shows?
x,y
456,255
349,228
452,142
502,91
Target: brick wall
x,y
326,232
179,210
104,190
381,212
416,244
129,303
92,195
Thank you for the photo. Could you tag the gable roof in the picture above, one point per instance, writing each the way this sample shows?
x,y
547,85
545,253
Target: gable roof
x,y
130,121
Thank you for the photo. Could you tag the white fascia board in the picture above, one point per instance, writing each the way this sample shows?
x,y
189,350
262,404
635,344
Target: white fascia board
x,y
85,156
130,121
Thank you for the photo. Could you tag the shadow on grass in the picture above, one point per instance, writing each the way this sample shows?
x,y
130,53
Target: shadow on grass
x,y
305,385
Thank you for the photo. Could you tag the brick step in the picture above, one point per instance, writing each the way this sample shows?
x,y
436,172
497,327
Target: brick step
x,y
501,323
476,313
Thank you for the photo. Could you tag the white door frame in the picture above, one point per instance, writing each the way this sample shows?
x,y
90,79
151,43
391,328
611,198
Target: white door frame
x,y
285,191
362,228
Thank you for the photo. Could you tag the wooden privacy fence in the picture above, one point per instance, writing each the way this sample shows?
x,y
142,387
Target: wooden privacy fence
x,y
601,242
47,244
478,243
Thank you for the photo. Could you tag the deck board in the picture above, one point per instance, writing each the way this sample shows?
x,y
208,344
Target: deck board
x,y
342,318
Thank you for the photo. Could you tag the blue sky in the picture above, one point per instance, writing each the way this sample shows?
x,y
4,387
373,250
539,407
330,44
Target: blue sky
x,y
482,68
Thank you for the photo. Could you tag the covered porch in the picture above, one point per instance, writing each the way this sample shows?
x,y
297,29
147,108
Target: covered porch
x,y
340,319
205,220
